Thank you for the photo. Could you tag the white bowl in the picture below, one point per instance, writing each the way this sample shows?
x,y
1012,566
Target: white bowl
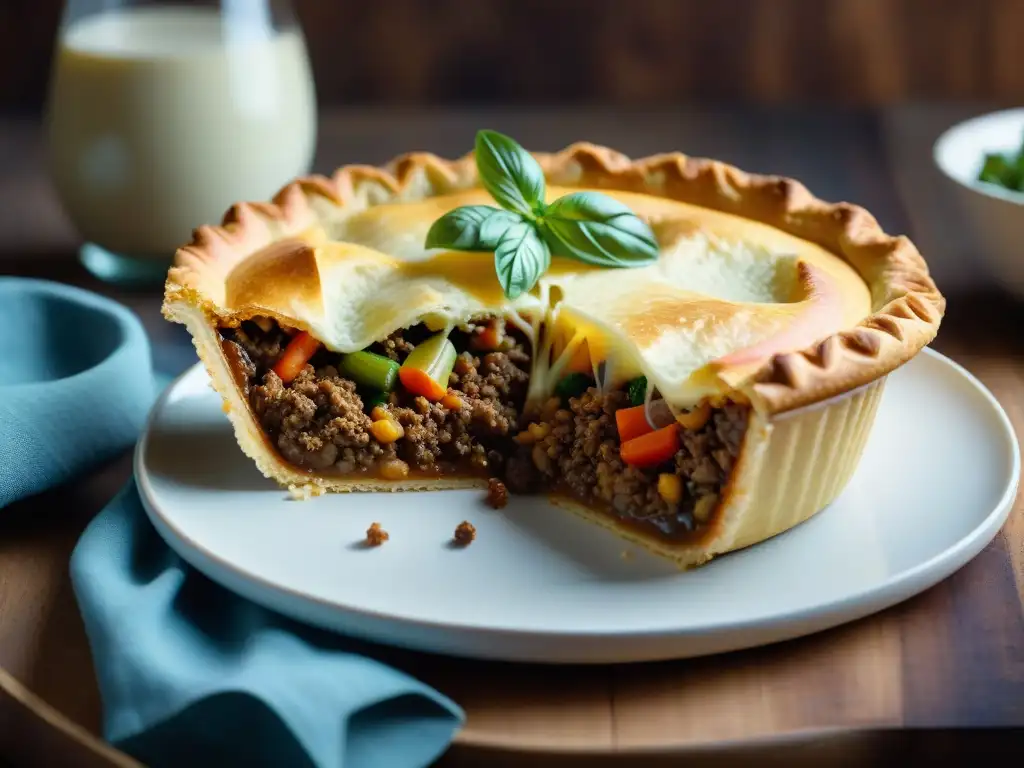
x,y
993,214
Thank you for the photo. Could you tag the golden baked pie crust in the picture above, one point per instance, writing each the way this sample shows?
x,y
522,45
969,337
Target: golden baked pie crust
x,y
907,306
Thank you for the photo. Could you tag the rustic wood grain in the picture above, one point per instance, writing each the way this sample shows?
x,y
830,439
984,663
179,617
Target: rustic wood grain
x,y
852,679
953,656
652,51
619,51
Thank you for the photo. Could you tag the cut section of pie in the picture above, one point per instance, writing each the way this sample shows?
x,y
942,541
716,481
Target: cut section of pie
x,y
695,405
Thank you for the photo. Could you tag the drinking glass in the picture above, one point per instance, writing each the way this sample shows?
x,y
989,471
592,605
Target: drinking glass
x,y
163,114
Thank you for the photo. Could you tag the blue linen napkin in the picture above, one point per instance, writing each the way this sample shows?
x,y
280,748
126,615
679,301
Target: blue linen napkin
x,y
188,672
63,352
191,674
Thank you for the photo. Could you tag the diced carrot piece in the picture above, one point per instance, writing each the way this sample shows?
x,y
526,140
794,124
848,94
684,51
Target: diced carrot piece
x,y
298,352
488,339
419,382
428,367
452,402
651,449
632,422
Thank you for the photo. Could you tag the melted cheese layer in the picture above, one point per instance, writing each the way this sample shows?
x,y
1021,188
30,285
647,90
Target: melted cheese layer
x,y
725,289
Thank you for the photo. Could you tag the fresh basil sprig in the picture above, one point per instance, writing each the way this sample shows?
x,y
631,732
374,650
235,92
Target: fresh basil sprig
x,y
597,229
524,233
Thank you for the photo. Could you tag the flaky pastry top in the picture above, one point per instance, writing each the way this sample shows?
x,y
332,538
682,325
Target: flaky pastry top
x,y
761,286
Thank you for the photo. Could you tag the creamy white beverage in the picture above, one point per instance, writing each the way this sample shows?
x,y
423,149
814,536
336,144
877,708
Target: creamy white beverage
x,y
161,118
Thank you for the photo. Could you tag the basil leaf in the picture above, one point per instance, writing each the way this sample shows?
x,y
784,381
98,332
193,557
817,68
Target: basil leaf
x,y
520,258
597,229
459,229
509,173
494,226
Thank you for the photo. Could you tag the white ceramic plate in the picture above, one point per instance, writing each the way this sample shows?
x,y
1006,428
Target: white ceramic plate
x,y
937,480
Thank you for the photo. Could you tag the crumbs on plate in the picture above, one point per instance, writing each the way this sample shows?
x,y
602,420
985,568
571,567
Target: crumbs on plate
x,y
497,493
465,533
375,535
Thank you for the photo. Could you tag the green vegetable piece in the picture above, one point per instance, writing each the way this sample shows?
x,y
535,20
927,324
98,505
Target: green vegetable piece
x,y
573,385
373,398
1004,170
1014,178
637,390
995,170
435,357
370,370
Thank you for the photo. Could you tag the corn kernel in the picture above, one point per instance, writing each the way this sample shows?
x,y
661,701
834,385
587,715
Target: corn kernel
x,y
452,402
550,409
696,418
539,431
526,438
379,412
541,460
387,430
705,506
670,487
394,469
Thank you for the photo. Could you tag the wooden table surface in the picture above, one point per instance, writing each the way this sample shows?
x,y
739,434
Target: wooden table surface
x,y
953,656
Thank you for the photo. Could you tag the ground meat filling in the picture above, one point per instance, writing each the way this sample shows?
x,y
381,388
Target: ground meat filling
x,y
577,450
319,420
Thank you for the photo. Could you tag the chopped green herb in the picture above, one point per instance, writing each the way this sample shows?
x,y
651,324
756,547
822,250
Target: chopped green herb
x,y
1004,170
637,390
573,385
